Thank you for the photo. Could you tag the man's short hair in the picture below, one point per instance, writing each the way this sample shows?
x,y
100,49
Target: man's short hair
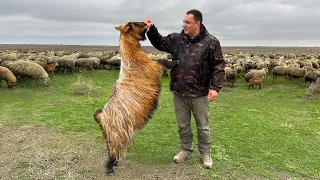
x,y
197,15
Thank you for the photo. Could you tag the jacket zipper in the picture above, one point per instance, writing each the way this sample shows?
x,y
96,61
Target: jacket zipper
x,y
185,66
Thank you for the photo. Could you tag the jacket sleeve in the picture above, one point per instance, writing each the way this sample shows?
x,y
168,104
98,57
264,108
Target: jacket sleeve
x,y
217,66
162,43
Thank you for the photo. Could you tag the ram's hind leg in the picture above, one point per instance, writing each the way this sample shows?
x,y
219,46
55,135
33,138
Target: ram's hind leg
x,y
109,165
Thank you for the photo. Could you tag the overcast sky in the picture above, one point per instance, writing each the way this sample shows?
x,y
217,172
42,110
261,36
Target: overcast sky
x,y
92,22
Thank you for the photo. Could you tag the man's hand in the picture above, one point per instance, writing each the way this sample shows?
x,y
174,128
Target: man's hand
x,y
148,22
212,95
167,63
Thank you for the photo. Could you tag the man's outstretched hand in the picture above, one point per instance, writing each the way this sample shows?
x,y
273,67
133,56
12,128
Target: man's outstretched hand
x,y
148,22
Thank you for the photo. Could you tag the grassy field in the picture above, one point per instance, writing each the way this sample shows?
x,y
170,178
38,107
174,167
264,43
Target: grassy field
x,y
268,133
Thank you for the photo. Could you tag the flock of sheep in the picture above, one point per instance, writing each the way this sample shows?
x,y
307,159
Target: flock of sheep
x,y
16,65
256,67
19,65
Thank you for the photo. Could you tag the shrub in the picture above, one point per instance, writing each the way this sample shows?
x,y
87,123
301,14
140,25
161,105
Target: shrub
x,y
83,86
314,89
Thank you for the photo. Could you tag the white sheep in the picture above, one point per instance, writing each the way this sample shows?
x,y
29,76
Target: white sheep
x,y
254,73
29,69
8,76
67,61
90,62
230,75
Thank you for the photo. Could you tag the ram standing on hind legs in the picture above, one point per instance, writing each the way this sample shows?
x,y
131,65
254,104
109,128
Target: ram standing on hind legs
x,y
134,97
197,74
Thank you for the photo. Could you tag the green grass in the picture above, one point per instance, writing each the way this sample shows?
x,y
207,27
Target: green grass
x,y
268,133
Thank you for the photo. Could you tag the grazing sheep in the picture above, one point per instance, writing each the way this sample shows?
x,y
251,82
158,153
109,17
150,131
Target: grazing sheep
x,y
90,62
230,75
279,71
272,56
308,63
95,54
274,63
58,53
49,67
83,55
7,75
311,76
9,57
67,62
261,65
104,59
247,65
248,76
315,64
254,73
296,73
5,63
29,69
292,56
113,62
255,81
134,97
237,68
49,53
262,73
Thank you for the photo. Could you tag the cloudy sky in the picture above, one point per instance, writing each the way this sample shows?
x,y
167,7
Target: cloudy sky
x,y
92,22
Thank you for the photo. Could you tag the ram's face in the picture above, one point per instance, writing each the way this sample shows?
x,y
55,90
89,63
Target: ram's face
x,y
136,29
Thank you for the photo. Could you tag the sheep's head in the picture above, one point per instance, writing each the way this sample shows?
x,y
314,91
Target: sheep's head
x,y
266,69
135,29
46,80
12,82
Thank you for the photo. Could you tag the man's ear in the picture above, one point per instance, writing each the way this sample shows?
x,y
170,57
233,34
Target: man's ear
x,y
198,22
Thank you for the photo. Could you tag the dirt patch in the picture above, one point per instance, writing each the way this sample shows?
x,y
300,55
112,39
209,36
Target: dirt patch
x,y
36,152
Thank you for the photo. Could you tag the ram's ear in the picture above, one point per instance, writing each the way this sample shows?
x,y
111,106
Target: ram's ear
x,y
128,23
127,26
118,27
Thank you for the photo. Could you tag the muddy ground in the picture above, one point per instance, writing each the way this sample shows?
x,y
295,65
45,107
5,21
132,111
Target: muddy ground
x,y
36,152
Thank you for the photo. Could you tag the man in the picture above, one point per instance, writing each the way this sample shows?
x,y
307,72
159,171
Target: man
x,y
197,74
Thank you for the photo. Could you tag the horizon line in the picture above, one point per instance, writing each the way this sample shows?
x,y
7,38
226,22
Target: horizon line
x,y
44,44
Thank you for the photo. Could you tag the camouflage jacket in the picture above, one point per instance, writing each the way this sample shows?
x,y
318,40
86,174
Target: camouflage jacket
x,y
200,64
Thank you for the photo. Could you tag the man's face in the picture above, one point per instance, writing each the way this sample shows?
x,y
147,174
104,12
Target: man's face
x,y
190,26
